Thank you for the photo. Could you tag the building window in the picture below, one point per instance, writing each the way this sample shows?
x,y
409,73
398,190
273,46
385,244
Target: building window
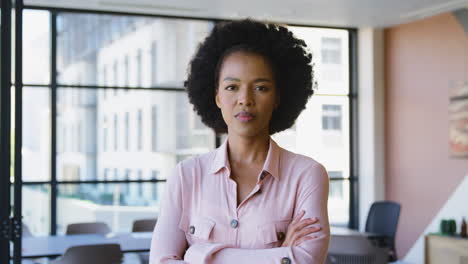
x,y
331,117
104,134
140,130
154,176
127,131
153,63
126,71
79,140
116,133
336,189
126,189
331,50
154,128
140,184
139,62
116,73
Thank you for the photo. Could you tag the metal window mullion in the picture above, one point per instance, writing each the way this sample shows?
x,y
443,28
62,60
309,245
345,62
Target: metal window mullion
x,y
353,131
5,133
17,215
53,118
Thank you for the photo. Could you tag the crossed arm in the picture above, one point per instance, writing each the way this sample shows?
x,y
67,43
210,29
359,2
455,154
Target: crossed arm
x,y
169,244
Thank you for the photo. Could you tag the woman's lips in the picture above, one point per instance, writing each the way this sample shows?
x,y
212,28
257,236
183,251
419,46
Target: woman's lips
x,y
244,116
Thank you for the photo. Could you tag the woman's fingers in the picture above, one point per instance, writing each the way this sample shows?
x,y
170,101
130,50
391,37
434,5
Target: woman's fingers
x,y
308,231
298,217
303,223
303,239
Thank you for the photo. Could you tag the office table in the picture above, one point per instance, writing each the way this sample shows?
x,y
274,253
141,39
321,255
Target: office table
x,y
54,246
343,231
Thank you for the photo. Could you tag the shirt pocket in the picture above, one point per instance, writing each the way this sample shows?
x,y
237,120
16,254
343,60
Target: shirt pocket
x,y
197,229
272,234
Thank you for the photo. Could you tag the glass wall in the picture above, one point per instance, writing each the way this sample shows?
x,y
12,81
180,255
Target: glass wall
x,y
123,120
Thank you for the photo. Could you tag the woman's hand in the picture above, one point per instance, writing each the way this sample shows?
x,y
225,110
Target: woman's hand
x,y
299,230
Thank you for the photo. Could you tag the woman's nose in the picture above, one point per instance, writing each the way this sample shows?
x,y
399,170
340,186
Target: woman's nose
x,y
246,98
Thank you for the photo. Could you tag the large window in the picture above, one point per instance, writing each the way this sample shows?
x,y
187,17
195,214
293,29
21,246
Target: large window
x,y
322,131
122,118
110,165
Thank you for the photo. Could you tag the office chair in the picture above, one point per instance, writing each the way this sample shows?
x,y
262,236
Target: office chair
x,y
383,219
92,254
144,225
355,249
88,228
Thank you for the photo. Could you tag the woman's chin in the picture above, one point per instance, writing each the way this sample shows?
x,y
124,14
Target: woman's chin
x,y
248,132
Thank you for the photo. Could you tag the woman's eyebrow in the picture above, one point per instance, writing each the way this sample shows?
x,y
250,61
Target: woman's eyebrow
x,y
262,80
231,79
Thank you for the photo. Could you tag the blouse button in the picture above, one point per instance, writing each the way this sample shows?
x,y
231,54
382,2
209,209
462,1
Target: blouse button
x,y
280,235
192,230
285,261
234,223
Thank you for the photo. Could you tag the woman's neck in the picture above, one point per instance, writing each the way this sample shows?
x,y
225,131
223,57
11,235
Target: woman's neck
x,y
248,151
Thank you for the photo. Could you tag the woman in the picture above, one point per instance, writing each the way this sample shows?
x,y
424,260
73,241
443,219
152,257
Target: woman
x,y
249,201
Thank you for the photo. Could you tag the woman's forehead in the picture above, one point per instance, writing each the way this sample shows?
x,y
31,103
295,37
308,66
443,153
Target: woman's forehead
x,y
243,64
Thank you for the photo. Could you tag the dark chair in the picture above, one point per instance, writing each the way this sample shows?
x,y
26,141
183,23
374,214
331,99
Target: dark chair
x,y
88,228
355,249
144,225
25,231
383,219
92,254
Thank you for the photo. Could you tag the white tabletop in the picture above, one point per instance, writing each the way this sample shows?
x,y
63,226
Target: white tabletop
x,y
52,246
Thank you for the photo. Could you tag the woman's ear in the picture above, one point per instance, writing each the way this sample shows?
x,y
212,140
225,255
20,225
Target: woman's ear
x,y
217,99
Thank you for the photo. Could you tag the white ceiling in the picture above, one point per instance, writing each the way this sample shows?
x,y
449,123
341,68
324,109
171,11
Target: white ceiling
x,y
339,13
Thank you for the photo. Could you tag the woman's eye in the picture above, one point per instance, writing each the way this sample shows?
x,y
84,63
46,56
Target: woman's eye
x,y
261,88
230,87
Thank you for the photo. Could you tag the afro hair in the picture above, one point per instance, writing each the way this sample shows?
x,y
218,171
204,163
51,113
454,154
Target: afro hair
x,y
288,56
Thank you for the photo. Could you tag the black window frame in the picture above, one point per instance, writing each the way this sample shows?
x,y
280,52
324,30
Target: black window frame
x,y
53,183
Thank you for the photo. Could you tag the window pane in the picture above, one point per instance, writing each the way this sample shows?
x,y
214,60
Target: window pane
x,y
97,134
36,134
36,47
126,50
322,132
36,218
338,202
330,54
118,205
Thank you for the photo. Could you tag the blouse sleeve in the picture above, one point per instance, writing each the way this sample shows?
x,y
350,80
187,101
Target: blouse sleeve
x,y
169,244
312,198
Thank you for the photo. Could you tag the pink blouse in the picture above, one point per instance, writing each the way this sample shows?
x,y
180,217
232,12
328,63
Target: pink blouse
x,y
200,222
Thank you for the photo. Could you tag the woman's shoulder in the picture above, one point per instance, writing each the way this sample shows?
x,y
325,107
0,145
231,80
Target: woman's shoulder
x,y
300,161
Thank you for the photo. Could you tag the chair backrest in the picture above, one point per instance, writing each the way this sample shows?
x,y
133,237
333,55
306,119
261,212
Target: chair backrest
x,y
355,249
383,218
88,228
144,225
25,231
93,254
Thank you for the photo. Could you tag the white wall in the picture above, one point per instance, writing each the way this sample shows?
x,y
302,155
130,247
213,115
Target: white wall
x,y
371,119
455,208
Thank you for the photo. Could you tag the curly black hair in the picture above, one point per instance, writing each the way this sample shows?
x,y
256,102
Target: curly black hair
x,y
288,56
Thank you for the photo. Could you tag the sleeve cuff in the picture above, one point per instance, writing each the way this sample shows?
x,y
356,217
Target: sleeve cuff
x,y
202,252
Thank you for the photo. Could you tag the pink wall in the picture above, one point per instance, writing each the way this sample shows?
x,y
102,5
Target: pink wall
x,y
422,58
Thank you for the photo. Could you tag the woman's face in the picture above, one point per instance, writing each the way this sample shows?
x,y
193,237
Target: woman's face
x,y
246,94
